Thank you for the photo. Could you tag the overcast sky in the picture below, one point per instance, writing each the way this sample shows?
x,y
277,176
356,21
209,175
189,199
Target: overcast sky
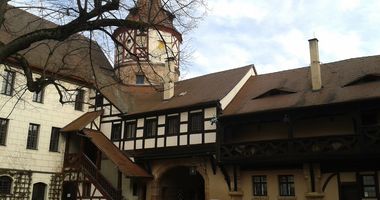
x,y
273,34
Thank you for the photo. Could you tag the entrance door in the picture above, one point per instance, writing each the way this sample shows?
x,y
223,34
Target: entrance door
x,y
349,191
181,183
69,191
39,191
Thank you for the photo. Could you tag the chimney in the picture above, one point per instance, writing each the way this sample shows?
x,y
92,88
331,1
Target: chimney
x,y
169,79
315,68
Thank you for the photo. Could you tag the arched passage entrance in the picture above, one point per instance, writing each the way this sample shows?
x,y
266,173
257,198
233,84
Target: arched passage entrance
x,y
182,183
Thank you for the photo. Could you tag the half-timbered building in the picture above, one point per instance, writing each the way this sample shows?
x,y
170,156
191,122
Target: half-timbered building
x,y
307,133
287,136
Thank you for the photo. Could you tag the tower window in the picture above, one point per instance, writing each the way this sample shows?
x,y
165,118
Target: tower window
x,y
140,79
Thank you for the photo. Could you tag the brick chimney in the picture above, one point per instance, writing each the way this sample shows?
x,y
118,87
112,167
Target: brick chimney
x,y
315,67
169,79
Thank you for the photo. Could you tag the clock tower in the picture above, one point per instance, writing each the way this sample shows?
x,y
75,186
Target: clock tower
x,y
148,55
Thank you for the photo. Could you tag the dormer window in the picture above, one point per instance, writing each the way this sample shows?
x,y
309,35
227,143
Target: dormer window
x,y
274,92
364,79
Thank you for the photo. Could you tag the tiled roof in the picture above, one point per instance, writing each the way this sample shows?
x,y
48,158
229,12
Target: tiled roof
x,y
200,90
335,77
76,58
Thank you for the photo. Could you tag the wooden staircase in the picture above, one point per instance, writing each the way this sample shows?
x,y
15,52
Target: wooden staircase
x,y
81,163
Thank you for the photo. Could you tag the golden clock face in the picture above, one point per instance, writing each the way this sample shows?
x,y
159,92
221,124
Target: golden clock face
x,y
161,45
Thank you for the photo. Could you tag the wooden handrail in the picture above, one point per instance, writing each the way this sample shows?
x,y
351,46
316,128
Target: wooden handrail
x,y
92,171
82,162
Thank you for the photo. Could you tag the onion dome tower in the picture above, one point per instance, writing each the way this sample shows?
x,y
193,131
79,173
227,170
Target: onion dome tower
x,y
150,54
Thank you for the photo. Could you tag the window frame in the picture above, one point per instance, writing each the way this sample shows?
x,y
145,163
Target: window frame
x,y
263,185
7,87
8,188
191,118
169,126
126,129
140,79
114,133
153,129
79,100
363,185
290,186
3,131
99,100
54,145
38,97
33,136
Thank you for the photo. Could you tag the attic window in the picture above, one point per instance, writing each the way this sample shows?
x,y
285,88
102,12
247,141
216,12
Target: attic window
x,y
274,92
368,78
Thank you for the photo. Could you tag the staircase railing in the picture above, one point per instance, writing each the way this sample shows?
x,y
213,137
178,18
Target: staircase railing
x,y
81,161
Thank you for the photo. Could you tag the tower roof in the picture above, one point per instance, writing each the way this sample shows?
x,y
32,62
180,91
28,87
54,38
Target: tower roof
x,y
153,13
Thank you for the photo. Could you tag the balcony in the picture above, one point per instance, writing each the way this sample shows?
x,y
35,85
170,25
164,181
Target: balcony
x,y
365,144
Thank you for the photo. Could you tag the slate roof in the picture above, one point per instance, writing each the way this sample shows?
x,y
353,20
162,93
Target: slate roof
x,y
335,77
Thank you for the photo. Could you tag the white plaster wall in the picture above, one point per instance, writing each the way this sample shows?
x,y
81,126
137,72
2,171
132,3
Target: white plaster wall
x,y
158,52
48,114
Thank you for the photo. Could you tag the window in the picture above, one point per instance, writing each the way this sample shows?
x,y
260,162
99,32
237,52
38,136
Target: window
x,y
79,100
130,130
259,185
86,189
286,184
150,128
5,184
3,130
8,83
368,186
39,190
98,100
116,131
38,96
140,79
172,125
32,136
196,122
54,139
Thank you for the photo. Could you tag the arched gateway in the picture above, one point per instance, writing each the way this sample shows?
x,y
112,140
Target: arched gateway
x,y
181,183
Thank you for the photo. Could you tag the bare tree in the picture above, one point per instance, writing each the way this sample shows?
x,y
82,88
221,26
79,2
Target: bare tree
x,y
60,48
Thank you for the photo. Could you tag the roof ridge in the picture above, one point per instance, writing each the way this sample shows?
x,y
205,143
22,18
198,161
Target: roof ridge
x,y
322,65
219,72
